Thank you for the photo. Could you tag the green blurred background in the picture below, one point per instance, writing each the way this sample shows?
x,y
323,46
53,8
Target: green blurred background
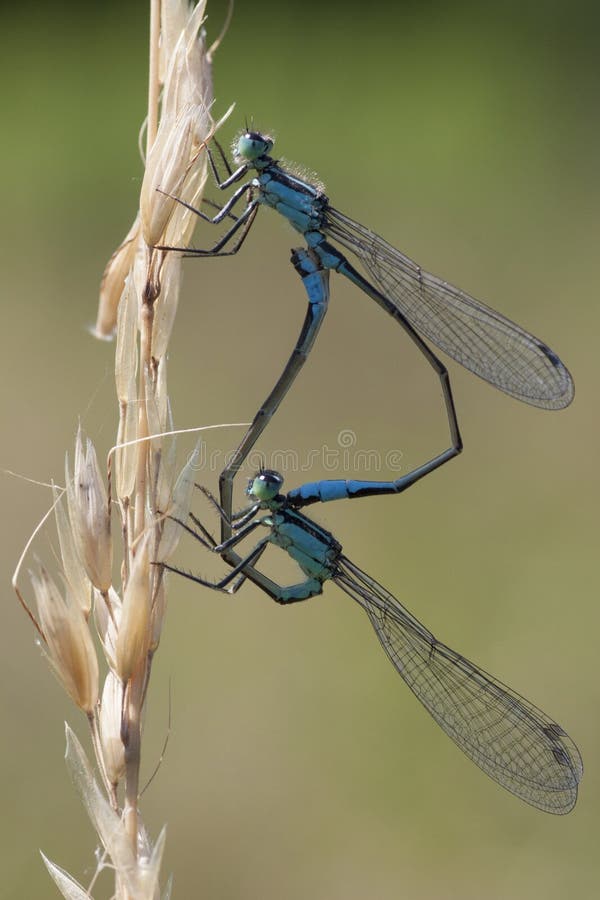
x,y
298,764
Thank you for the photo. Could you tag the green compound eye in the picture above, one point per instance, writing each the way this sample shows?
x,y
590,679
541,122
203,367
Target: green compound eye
x,y
265,485
253,145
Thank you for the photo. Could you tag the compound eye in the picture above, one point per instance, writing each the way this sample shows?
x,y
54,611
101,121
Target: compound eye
x,y
253,145
265,485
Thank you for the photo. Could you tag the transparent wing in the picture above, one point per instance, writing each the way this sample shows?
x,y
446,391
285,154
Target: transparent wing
x,y
510,739
476,336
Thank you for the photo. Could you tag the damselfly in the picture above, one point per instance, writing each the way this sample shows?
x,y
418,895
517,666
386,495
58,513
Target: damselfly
x,y
479,338
513,741
476,336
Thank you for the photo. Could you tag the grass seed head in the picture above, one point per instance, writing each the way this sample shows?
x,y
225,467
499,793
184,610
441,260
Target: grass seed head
x,y
69,644
134,634
88,511
111,706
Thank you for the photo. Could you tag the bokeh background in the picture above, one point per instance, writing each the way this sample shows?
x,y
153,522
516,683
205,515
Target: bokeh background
x,y
298,764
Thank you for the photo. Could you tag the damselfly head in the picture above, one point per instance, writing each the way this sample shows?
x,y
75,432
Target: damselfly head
x,y
265,485
251,146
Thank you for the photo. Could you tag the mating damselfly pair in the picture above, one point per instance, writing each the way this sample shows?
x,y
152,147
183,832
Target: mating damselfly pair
x,y
509,738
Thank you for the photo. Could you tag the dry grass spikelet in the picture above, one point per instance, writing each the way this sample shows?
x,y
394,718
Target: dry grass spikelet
x,y
143,486
69,644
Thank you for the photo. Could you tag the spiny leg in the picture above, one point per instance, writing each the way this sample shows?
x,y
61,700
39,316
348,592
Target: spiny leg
x,y
223,211
221,585
216,206
224,160
236,520
245,527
